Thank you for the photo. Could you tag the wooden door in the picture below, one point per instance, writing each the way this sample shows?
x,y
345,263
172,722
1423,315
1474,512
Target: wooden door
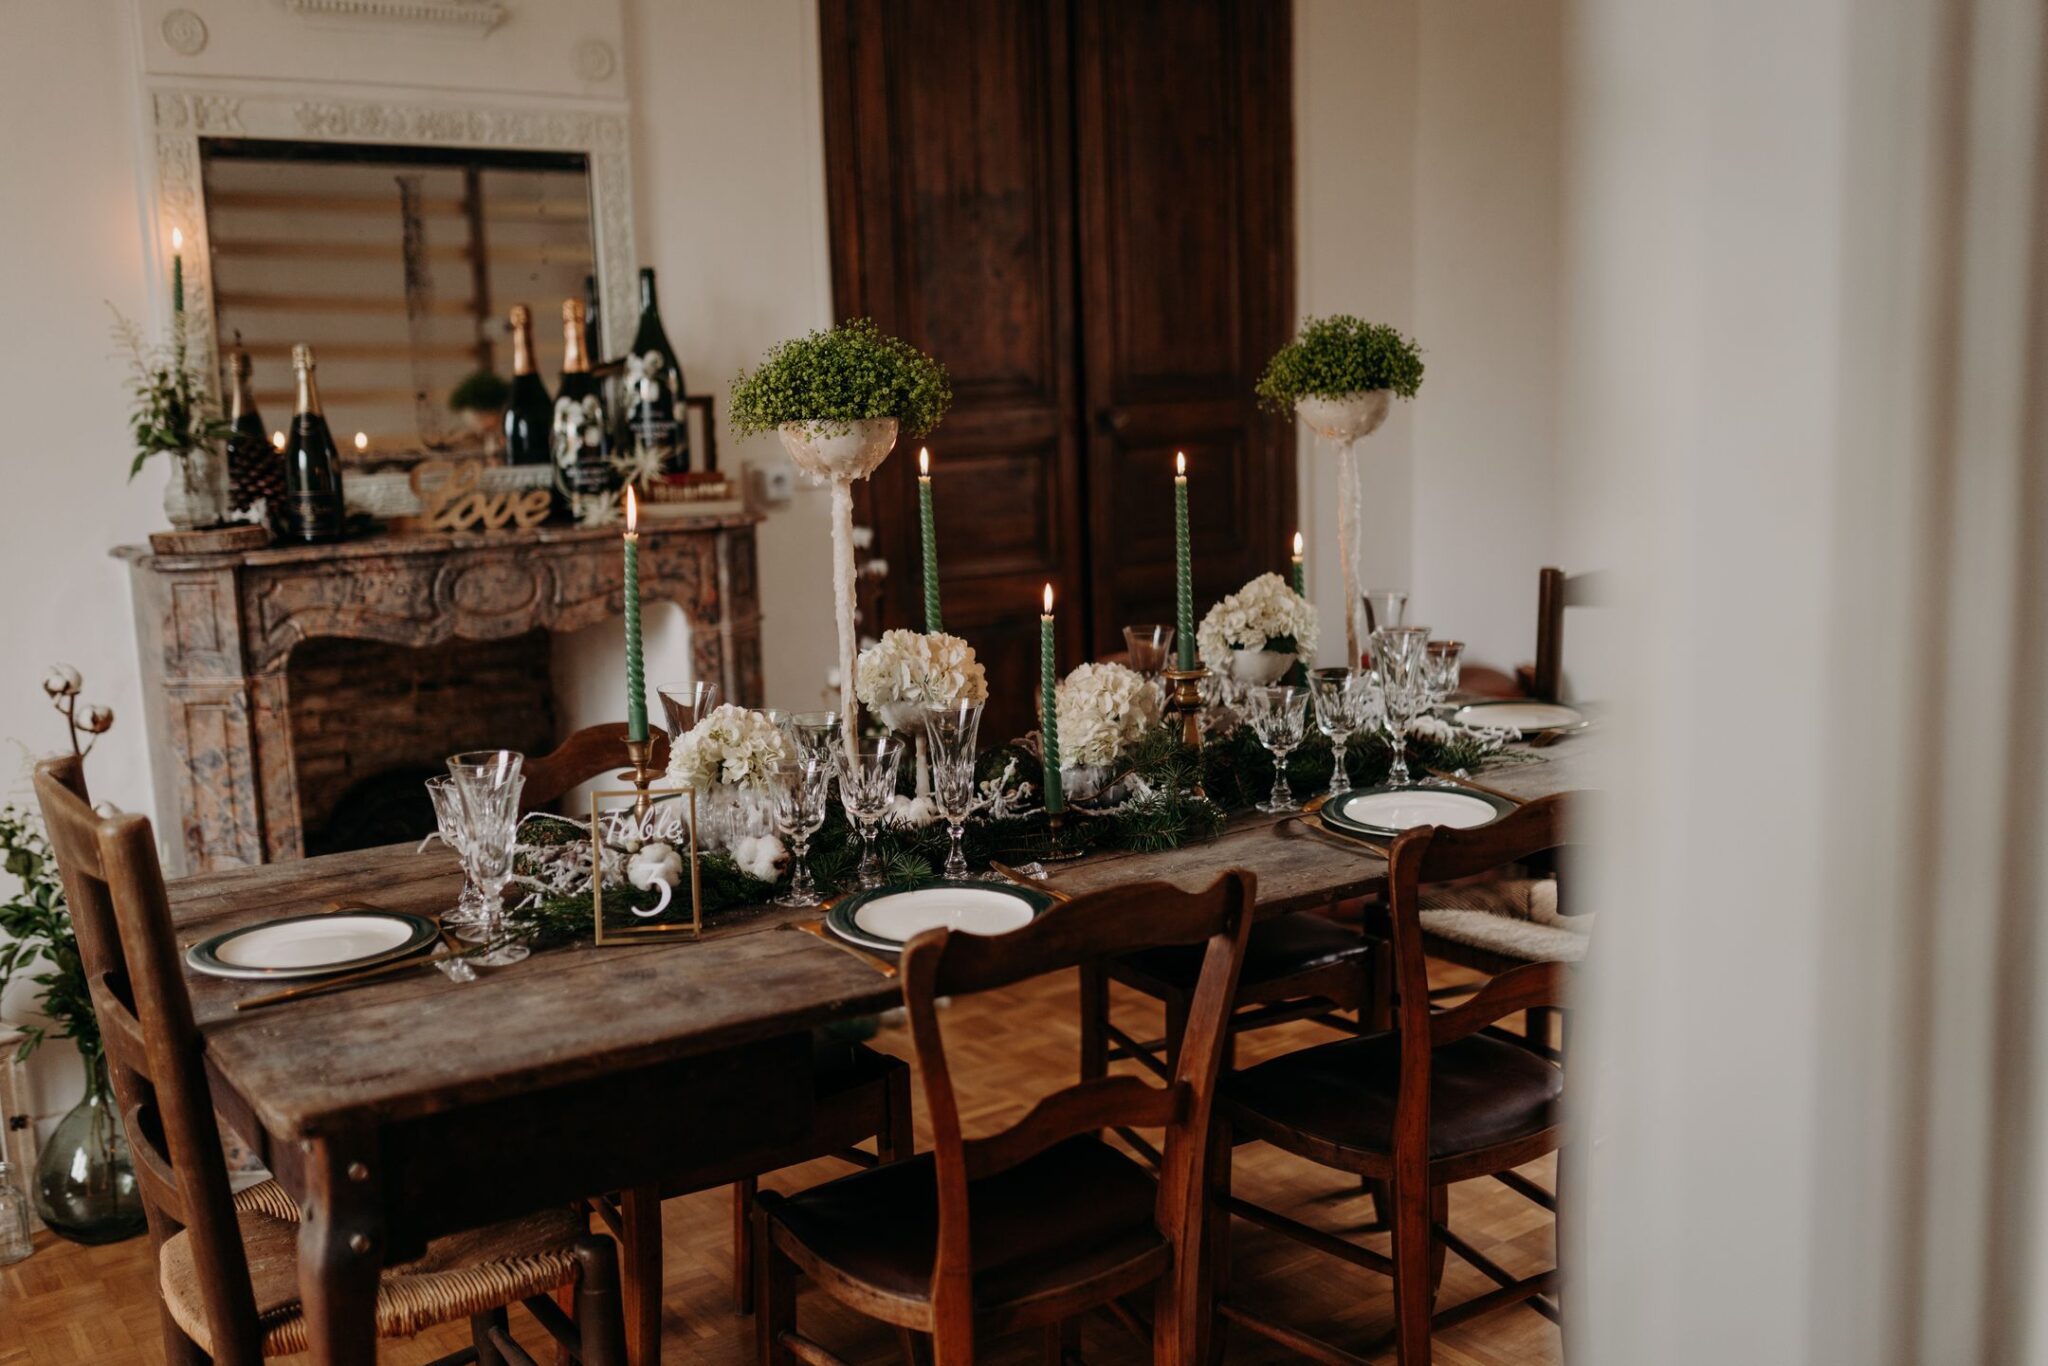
x,y
1184,130
1086,213
951,188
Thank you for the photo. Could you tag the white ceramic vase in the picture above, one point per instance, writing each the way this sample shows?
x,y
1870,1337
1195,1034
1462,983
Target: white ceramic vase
x,y
196,496
1345,417
1258,668
839,451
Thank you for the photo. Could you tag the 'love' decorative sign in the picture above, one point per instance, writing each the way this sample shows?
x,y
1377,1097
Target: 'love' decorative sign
x,y
453,498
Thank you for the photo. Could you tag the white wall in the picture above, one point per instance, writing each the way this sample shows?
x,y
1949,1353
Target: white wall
x,y
1429,176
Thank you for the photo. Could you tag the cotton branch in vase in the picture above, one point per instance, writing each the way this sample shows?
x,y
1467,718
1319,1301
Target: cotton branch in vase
x,y
89,719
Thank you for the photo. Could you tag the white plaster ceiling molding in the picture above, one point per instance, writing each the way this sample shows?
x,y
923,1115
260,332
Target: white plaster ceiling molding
x,y
595,60
184,33
477,16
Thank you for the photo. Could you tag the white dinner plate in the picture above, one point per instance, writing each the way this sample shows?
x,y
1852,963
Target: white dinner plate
x,y
1393,812
309,945
902,916
1529,718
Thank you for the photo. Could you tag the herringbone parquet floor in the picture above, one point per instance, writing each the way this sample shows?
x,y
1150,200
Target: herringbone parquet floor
x,y
76,1306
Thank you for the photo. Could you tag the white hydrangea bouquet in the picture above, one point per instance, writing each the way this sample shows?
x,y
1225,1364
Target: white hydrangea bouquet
x,y
1103,709
905,673
731,745
1254,635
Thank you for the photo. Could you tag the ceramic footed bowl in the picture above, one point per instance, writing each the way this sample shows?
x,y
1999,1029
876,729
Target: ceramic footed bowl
x,y
839,451
1257,668
1345,417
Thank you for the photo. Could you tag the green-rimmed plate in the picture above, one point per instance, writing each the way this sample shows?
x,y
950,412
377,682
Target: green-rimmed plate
x,y
1383,812
887,918
1523,718
312,945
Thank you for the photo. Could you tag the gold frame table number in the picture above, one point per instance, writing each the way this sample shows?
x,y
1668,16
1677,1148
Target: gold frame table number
x,y
641,801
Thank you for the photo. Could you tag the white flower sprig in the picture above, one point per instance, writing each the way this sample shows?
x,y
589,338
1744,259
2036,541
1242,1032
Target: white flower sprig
x,y
1265,610
921,670
730,745
1102,709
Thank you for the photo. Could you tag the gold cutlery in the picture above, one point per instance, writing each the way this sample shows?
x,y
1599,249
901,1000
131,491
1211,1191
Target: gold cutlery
x,y
1349,841
337,983
1035,884
1458,781
816,929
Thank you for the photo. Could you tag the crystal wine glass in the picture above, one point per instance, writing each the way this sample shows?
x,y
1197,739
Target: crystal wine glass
x,y
1385,608
814,733
800,791
1278,717
867,784
448,818
1148,648
1343,700
951,732
1401,654
685,704
1445,660
488,783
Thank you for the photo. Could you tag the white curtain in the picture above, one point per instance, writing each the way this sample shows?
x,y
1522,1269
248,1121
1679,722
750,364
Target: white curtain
x,y
1808,284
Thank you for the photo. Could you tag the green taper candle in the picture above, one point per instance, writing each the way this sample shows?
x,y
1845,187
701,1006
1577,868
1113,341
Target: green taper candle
x,y
636,668
930,537
178,270
1183,568
1300,573
1049,724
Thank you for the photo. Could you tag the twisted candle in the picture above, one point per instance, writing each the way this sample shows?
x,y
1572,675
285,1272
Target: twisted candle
x,y
1183,569
1049,723
930,538
636,669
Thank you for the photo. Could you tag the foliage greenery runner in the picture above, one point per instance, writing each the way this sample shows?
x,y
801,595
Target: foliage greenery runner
x,y
1233,770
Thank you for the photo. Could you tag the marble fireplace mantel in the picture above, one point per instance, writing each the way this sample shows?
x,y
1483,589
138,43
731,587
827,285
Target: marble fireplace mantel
x,y
216,633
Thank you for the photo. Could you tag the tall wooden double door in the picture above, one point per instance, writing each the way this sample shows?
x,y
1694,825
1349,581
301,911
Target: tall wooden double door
x,y
1086,211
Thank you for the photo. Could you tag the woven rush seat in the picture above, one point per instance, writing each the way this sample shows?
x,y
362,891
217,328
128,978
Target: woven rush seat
x,y
1031,1223
1482,1092
460,1275
1515,918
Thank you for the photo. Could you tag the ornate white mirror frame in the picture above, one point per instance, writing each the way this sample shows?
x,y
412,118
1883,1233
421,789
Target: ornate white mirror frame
x,y
181,116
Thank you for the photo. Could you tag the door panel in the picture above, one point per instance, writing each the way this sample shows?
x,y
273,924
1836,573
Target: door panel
x,y
950,180
1185,187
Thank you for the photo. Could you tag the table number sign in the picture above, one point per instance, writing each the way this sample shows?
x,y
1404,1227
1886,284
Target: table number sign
x,y
651,821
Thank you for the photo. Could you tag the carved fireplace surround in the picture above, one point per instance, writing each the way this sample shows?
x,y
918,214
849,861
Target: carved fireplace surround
x,y
217,631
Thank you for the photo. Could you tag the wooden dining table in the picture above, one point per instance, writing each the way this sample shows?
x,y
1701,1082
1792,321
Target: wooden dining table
x,y
411,1107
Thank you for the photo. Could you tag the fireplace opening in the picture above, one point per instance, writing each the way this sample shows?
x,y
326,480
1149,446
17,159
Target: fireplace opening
x,y
371,722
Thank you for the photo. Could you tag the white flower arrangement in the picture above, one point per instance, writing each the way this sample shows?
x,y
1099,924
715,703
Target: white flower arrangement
x,y
1265,614
1102,708
730,745
907,671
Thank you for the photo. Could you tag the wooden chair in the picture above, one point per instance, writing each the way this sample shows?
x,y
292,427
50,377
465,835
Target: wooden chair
x,y
1303,966
1432,1101
228,1264
860,1094
590,753
1028,1227
1556,591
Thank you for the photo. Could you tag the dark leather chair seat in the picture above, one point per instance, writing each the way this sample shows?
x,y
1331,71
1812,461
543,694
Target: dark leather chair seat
x,y
839,1064
1483,1092
1281,947
881,1225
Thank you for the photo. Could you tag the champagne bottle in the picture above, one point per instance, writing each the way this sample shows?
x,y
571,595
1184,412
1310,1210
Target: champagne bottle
x,y
312,467
255,468
582,442
529,414
654,388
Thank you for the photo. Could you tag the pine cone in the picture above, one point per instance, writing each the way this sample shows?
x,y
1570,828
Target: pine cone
x,y
255,473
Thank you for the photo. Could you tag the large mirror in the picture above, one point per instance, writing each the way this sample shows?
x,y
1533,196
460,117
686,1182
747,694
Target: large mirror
x,y
397,265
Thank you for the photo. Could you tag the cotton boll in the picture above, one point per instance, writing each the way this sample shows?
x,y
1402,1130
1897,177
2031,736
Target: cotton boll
x,y
760,856
913,813
655,864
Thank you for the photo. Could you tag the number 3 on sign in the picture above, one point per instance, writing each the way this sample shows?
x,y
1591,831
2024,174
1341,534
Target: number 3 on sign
x,y
453,498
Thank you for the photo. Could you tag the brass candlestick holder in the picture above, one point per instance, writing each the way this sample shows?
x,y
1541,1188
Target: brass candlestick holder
x,y
640,776
1059,845
1184,699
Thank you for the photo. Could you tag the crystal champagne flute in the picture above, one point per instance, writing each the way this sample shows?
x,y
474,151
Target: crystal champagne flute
x,y
685,704
488,783
800,791
447,801
867,784
951,732
1400,654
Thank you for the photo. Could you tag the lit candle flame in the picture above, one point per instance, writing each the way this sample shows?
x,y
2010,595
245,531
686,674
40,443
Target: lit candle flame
x,y
632,511
1297,545
924,462
177,239
362,441
1048,599
277,440
1180,464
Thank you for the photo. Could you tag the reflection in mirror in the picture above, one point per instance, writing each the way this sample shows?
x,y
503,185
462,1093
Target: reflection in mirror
x,y
398,266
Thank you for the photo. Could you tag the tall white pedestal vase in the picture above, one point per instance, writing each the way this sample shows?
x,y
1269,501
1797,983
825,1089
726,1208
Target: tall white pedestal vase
x,y
839,453
1344,420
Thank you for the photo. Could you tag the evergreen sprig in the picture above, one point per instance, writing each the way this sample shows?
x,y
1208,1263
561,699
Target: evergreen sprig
x,y
1340,355
35,929
851,373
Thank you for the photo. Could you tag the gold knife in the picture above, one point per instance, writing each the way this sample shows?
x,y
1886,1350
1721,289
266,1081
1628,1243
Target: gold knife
x,y
337,983
1022,881
1457,781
